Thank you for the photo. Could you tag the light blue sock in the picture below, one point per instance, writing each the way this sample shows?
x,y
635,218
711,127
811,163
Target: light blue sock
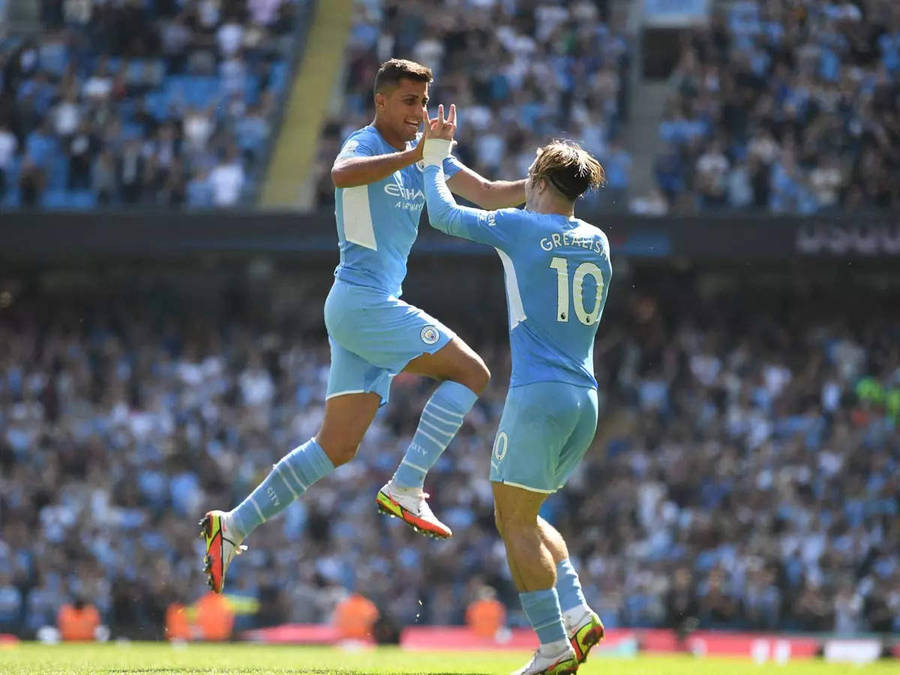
x,y
441,419
289,479
568,587
544,614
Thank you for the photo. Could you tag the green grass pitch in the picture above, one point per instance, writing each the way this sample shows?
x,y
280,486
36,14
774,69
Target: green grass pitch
x,y
160,658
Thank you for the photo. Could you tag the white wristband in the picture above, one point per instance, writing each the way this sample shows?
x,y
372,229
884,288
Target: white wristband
x,y
436,151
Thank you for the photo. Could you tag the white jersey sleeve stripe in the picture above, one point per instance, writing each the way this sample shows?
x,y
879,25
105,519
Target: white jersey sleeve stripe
x,y
358,227
516,308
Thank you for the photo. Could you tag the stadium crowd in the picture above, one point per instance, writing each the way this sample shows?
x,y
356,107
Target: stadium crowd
x,y
745,472
519,73
160,103
791,106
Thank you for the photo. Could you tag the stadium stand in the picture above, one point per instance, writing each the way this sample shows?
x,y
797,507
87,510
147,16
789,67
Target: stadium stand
x,y
519,73
160,104
790,107
744,474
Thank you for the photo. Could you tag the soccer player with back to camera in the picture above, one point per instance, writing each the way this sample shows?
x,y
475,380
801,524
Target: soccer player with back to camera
x,y
557,277
373,334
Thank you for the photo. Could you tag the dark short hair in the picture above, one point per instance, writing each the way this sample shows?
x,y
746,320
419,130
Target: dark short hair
x,y
391,72
568,168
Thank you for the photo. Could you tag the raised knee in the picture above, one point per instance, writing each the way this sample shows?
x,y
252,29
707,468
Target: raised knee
x,y
483,377
478,376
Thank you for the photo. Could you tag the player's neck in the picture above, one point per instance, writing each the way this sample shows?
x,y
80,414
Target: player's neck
x,y
392,139
551,207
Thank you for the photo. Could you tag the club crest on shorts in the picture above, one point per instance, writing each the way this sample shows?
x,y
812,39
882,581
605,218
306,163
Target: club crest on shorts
x,y
430,335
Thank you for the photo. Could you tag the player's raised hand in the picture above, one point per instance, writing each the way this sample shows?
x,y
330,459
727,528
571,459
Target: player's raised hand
x,y
429,123
438,136
441,127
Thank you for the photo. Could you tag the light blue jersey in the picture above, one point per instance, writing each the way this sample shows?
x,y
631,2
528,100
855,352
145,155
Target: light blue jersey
x,y
373,334
378,223
557,278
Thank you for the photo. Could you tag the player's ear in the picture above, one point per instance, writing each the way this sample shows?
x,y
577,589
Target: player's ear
x,y
380,100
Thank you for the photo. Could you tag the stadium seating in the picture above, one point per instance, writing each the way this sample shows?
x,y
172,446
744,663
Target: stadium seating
x,y
92,81
744,474
519,74
785,107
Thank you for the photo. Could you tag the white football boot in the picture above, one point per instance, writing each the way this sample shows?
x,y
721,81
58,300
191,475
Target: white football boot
x,y
409,505
552,661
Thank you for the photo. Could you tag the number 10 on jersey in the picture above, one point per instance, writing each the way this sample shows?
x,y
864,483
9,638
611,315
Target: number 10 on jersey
x,y
561,265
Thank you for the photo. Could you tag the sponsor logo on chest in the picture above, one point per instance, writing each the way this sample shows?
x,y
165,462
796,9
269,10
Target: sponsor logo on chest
x,y
410,194
408,198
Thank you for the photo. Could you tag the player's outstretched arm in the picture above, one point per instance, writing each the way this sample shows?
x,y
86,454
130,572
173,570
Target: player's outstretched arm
x,y
356,165
488,194
444,213
470,185
355,170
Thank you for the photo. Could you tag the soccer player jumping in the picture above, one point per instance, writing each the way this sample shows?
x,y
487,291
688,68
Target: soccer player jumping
x,y
557,278
374,335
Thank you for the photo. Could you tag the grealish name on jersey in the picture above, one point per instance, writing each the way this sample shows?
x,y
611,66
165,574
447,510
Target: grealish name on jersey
x,y
558,240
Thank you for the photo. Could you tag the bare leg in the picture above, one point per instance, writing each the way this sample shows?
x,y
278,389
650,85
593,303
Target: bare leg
x,y
347,417
530,559
456,361
554,541
463,376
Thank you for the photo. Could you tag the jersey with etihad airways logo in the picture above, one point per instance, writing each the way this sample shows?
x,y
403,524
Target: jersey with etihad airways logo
x,y
378,223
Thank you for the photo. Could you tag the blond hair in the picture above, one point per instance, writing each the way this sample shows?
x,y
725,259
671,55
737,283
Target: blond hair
x,y
568,168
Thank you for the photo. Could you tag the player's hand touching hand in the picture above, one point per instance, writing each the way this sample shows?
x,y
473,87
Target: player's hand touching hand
x,y
440,127
429,122
438,136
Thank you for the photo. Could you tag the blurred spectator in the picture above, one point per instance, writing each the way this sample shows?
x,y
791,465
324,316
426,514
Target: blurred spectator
x,y
355,616
617,164
31,183
227,179
178,626
718,608
199,190
213,617
103,177
486,615
848,606
10,604
682,608
653,204
8,145
78,622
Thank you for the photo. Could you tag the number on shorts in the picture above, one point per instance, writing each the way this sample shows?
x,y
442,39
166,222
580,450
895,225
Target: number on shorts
x,y
500,446
561,265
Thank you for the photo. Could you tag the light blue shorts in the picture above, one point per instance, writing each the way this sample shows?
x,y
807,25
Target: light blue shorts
x,y
373,336
545,429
